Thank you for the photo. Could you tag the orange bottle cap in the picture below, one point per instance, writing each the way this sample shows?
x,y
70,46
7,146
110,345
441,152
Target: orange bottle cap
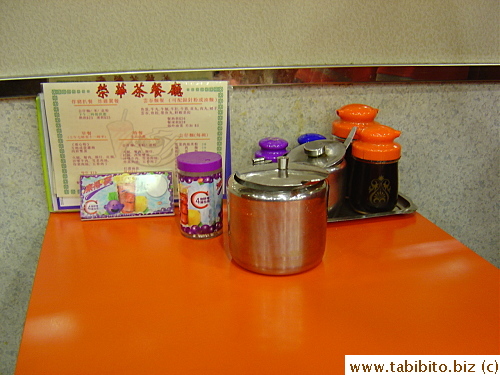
x,y
359,115
376,143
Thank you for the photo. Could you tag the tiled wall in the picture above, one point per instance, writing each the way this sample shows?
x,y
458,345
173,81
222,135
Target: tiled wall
x,y
449,168
23,218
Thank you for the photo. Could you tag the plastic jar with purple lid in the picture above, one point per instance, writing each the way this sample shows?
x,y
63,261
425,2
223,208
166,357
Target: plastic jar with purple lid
x,y
200,185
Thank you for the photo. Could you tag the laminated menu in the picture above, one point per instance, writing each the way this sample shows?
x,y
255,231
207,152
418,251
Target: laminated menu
x,y
106,127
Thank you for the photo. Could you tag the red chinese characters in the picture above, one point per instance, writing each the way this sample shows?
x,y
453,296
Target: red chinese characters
x,y
120,90
138,91
102,91
176,89
157,90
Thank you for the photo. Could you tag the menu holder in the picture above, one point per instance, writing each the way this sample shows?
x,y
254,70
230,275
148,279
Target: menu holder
x,y
109,127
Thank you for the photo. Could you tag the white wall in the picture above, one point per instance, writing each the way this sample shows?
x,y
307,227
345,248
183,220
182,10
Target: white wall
x,y
74,36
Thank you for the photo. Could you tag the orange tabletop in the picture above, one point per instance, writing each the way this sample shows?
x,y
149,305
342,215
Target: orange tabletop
x,y
133,296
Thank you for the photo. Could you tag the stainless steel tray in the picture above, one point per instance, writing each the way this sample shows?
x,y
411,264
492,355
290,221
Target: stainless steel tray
x,y
403,206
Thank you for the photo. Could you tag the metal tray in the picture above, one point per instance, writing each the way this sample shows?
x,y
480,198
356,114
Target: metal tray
x,y
403,206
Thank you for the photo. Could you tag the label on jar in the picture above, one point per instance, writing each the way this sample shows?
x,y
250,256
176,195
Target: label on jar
x,y
379,191
200,205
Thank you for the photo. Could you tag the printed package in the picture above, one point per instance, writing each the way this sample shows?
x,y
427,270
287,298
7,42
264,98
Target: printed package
x,y
124,195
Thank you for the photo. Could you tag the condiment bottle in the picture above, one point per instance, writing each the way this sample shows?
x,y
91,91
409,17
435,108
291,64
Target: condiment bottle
x,y
271,148
374,182
200,186
353,115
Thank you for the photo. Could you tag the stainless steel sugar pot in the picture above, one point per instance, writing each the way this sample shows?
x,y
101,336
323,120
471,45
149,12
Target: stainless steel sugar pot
x,y
277,217
327,154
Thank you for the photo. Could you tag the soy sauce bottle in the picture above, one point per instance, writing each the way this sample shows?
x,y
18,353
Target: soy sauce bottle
x,y
352,115
374,182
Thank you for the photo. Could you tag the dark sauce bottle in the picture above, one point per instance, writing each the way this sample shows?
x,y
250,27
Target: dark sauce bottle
x,y
374,180
356,115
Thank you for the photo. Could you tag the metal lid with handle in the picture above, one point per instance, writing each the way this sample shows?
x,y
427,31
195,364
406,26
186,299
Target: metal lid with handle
x,y
283,175
320,153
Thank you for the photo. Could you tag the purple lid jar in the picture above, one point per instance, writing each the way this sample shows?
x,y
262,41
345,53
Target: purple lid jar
x,y
271,148
200,187
199,161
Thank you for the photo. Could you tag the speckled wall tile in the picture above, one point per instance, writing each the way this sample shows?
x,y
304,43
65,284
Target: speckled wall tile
x,y
23,218
450,138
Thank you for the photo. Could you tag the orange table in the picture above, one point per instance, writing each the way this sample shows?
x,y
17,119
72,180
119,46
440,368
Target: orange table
x,y
133,296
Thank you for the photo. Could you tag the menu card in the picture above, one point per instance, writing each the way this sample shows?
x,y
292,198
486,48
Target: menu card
x,y
128,127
